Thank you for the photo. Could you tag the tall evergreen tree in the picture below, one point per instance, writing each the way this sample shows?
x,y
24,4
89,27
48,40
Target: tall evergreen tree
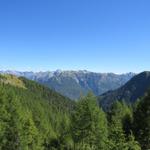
x,y
120,137
34,118
142,122
132,143
4,119
89,125
18,129
13,124
30,137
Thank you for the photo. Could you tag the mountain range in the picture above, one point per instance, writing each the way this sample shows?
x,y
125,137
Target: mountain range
x,y
37,117
73,84
134,89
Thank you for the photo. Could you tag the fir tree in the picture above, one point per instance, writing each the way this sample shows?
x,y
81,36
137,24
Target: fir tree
x,y
89,125
142,122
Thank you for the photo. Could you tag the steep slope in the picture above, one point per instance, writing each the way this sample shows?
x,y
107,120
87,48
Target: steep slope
x,y
35,89
74,83
35,117
130,92
35,97
31,114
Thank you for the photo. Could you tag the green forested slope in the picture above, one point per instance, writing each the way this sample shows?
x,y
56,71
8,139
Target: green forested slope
x,y
32,117
130,92
26,105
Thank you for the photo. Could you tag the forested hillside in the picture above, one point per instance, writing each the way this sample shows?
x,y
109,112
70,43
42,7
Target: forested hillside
x,y
74,83
33,117
134,89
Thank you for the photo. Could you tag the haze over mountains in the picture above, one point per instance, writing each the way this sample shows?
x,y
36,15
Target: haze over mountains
x,y
75,83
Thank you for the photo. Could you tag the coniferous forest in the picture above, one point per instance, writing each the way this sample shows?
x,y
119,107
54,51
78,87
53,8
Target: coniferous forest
x,y
33,117
74,74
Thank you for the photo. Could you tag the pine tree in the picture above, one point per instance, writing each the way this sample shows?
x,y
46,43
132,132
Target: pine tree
x,y
117,139
29,135
4,119
89,125
13,124
120,137
132,143
18,130
141,123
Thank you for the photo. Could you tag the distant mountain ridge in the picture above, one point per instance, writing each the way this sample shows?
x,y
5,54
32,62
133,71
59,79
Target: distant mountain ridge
x,y
75,83
130,92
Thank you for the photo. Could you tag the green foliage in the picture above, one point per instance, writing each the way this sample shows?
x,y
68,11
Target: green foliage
x,y
31,118
130,92
121,113
19,131
34,117
10,122
132,144
142,122
120,137
30,137
89,125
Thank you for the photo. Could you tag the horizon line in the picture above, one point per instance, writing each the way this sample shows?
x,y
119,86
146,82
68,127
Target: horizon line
x,y
65,70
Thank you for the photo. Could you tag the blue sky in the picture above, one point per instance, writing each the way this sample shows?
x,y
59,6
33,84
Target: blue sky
x,y
95,35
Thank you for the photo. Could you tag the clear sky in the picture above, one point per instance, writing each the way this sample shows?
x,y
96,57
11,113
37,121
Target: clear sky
x,y
95,35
